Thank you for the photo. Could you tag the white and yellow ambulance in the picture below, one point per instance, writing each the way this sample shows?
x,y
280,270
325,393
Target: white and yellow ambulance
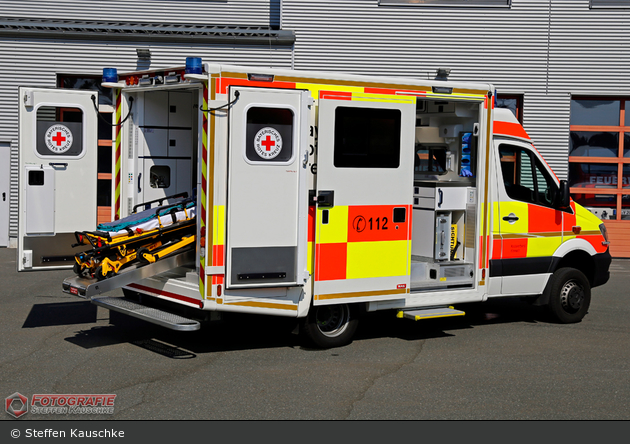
x,y
319,195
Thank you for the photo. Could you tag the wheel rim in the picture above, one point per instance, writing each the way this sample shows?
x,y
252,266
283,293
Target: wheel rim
x,y
332,320
572,297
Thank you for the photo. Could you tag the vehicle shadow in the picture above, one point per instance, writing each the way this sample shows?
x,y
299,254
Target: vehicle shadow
x,y
247,332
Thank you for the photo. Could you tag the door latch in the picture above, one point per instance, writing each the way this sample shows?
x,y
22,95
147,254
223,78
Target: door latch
x,y
326,199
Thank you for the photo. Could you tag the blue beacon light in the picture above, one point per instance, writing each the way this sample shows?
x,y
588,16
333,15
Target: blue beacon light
x,y
193,65
110,75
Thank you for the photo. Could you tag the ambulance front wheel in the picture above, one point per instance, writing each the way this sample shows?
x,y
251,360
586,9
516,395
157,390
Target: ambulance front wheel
x,y
329,326
569,295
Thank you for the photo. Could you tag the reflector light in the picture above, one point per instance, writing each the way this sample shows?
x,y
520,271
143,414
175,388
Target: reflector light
x,y
219,290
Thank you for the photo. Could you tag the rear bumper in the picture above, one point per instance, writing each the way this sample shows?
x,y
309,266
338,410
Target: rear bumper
x,y
602,264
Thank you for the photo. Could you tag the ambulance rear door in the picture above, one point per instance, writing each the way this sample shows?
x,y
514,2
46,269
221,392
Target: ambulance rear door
x,y
57,174
364,198
267,201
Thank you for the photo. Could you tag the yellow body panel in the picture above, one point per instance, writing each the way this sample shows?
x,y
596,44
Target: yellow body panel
x,y
336,230
377,259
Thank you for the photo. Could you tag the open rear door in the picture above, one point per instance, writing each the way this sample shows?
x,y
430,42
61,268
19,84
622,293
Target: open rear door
x,y
57,174
267,207
364,197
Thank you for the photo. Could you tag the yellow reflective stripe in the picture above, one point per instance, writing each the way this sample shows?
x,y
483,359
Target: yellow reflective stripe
x,y
377,259
316,88
336,230
218,229
385,98
474,97
309,257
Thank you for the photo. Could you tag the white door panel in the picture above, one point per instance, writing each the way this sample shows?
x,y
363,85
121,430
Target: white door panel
x,y
58,150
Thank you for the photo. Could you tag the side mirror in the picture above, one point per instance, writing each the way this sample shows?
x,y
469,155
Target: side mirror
x,y
565,197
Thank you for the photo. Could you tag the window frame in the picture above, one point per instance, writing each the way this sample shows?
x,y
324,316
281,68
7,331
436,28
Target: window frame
x,y
536,164
449,3
519,104
339,156
619,160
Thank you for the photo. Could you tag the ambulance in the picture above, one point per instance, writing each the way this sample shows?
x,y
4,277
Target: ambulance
x,y
319,196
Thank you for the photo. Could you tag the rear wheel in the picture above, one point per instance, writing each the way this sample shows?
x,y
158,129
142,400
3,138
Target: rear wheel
x,y
330,326
569,295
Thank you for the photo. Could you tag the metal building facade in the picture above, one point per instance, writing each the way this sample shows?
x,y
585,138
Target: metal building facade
x,y
546,50
41,39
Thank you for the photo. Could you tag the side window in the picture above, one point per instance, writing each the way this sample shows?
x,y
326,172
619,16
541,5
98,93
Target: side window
x,y
525,178
269,135
59,132
367,137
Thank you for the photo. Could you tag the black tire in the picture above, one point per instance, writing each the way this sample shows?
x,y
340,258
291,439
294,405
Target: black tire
x,y
569,295
99,273
329,326
77,269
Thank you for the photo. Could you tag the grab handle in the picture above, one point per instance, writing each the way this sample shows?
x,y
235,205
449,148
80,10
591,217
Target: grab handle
x,y
139,177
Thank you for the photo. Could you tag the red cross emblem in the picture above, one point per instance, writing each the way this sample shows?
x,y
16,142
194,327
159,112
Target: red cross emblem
x,y
268,143
58,138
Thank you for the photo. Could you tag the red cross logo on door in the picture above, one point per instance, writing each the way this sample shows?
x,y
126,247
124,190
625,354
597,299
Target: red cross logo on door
x,y
58,138
268,143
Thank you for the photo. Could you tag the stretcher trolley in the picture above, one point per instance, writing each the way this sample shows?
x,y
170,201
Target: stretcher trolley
x,y
142,238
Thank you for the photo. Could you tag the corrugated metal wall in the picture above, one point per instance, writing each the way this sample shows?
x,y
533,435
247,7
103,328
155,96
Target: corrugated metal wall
x,y
35,62
210,12
545,49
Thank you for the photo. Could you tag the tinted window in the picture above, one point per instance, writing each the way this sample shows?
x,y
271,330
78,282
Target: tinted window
x,y
59,131
367,138
595,112
160,176
525,178
269,134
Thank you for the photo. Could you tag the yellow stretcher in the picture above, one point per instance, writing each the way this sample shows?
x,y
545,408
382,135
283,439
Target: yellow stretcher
x,y
142,238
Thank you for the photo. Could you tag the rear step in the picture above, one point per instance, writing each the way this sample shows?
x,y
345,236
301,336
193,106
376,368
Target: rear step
x,y
429,313
86,288
149,314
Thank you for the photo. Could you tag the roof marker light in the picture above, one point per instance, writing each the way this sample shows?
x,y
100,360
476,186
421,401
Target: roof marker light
x,y
193,65
442,90
110,75
260,77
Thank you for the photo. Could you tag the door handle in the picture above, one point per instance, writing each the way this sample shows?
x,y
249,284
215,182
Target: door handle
x,y
4,197
511,218
139,177
440,197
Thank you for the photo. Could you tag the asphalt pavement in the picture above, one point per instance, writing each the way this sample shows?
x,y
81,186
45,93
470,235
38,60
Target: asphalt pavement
x,y
504,360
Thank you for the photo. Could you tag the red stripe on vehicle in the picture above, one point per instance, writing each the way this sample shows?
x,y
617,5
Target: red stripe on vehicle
x,y
167,294
510,129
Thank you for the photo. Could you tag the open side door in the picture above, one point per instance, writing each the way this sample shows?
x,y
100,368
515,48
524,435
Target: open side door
x,y
267,202
57,174
364,195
